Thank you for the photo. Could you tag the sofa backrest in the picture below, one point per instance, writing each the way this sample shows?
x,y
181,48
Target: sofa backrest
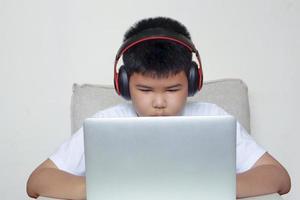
x,y
230,94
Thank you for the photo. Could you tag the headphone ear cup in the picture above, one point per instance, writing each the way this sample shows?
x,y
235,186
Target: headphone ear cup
x,y
123,83
193,79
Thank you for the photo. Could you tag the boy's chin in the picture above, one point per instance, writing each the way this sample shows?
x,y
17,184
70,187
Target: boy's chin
x,y
162,115
157,114
154,115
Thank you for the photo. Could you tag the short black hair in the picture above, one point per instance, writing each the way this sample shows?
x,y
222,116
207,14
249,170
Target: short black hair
x,y
158,58
158,22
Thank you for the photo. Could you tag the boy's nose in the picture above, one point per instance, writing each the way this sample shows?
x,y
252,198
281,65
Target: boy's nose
x,y
159,102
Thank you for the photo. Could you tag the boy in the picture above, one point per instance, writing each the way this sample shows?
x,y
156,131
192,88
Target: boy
x,y
157,76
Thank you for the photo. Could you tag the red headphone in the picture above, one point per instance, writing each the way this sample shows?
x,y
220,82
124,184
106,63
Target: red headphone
x,y
121,78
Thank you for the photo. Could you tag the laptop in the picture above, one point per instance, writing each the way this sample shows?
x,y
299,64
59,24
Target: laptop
x,y
160,158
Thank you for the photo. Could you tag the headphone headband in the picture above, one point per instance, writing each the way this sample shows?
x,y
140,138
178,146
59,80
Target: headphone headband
x,y
156,34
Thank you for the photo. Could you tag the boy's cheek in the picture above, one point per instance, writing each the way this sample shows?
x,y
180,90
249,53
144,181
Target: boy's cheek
x,y
140,107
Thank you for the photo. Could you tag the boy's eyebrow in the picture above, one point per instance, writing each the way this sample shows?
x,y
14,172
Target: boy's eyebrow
x,y
174,86
142,86
169,87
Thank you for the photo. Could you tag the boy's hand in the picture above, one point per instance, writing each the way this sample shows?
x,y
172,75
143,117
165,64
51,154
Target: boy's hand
x,y
265,177
47,180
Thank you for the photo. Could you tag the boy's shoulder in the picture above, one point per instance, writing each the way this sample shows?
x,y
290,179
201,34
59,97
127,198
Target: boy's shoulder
x,y
120,110
202,108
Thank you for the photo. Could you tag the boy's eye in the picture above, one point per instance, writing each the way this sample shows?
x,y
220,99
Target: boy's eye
x,y
144,90
173,90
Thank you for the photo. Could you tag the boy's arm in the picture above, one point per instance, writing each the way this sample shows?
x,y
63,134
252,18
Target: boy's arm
x,y
265,177
47,180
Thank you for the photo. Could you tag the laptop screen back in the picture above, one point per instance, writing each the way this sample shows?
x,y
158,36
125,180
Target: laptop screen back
x,y
160,158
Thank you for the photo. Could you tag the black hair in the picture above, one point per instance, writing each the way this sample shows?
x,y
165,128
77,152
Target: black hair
x,y
158,58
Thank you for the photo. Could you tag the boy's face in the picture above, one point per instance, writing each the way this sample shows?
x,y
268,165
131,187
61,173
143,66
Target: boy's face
x,y
152,96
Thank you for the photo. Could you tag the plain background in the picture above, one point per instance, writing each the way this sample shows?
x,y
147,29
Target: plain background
x,y
46,46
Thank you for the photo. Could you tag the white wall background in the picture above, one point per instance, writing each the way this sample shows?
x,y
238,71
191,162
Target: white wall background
x,y
45,46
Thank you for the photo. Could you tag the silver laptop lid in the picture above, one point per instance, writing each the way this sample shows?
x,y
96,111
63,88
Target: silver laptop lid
x,y
160,158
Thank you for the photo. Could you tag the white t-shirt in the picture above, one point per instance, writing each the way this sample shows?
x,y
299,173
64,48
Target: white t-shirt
x,y
69,156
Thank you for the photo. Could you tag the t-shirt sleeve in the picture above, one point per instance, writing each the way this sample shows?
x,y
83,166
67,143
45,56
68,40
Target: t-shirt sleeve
x,y
247,150
69,156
